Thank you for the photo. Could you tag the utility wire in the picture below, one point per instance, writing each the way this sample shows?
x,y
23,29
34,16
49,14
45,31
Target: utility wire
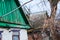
x,y
15,9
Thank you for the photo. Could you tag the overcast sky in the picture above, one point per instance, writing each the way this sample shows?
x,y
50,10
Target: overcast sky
x,y
58,11
39,5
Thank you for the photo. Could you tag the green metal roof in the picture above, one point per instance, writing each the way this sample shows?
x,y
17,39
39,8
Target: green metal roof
x,y
14,19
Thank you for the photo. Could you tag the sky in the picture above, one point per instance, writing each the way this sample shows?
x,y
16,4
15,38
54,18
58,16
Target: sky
x,y
58,11
39,5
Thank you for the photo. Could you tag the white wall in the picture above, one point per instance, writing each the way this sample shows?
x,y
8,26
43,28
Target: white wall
x,y
6,35
23,34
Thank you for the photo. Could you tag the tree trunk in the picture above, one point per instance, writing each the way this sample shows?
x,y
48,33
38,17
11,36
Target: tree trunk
x,y
51,20
52,28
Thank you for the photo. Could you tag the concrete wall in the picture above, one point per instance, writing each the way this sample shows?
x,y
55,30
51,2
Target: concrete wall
x,y
6,35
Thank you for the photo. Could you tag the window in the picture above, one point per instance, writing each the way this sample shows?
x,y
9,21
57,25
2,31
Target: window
x,y
16,35
1,35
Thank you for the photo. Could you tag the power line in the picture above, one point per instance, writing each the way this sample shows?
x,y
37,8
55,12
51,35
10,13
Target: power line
x,y
15,9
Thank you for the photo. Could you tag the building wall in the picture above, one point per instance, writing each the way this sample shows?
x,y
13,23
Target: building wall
x,y
7,34
23,35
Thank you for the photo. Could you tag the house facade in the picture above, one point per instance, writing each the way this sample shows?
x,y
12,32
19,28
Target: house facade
x,y
13,23
13,34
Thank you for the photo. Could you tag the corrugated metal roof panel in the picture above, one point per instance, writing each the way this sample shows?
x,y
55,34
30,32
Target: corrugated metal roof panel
x,y
15,17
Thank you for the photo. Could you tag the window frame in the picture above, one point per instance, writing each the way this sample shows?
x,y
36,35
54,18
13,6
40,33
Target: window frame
x,y
16,35
1,35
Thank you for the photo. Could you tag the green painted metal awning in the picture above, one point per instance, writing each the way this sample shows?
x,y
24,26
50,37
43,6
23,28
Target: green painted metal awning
x,y
14,19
